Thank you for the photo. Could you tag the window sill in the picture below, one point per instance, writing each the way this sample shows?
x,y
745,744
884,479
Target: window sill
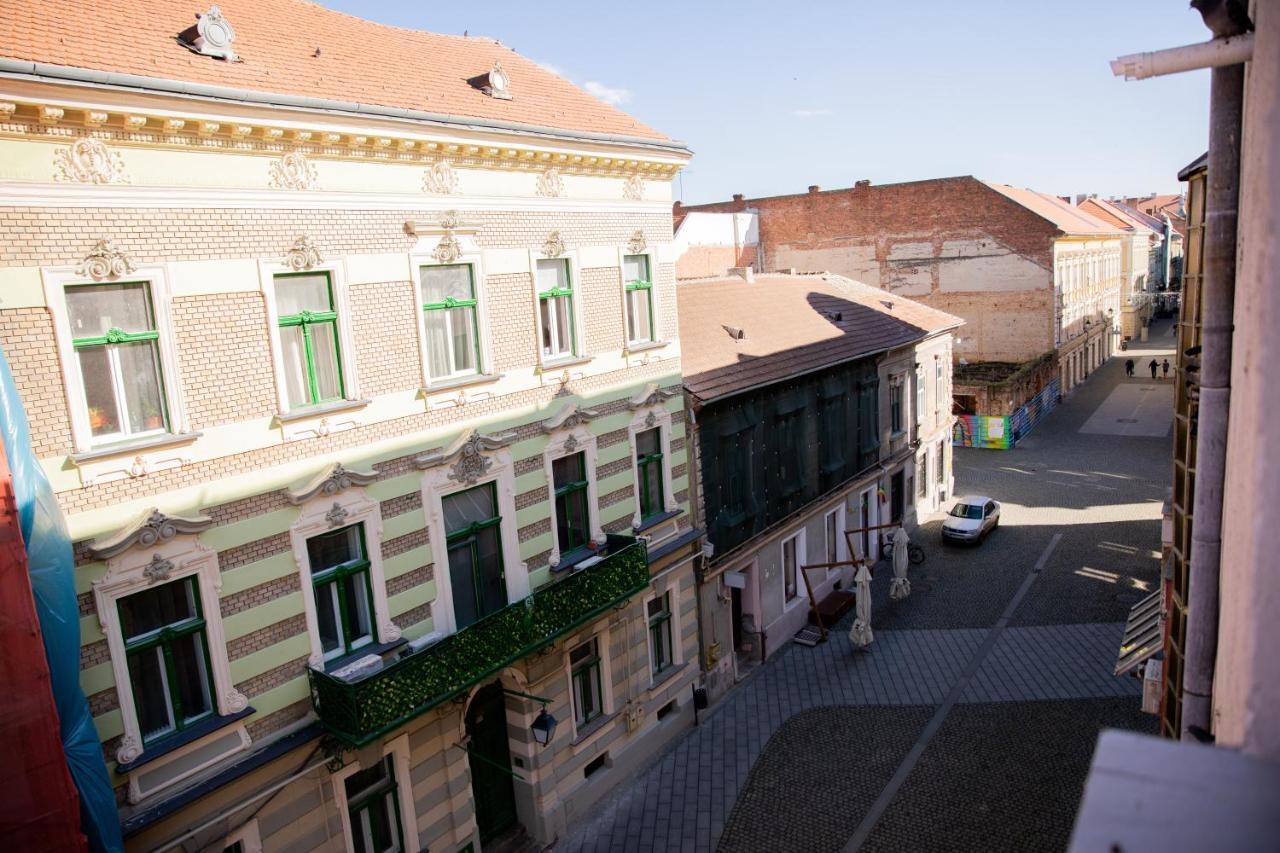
x,y
646,345
180,739
460,382
667,675
154,442
573,558
593,728
565,361
654,520
379,649
316,411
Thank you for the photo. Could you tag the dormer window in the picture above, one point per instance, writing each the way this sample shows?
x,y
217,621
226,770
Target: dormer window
x,y
211,35
495,83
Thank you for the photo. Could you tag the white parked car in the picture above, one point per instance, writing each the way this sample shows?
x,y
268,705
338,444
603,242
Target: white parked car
x,y
971,519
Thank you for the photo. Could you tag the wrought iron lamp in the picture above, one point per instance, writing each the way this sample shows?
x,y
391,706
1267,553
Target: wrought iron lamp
x,y
543,727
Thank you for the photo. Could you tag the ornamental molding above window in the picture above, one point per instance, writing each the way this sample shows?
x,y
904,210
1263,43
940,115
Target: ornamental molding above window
x,y
637,244
293,171
88,161
571,416
652,395
106,260
467,456
149,529
448,250
329,482
553,246
551,183
302,255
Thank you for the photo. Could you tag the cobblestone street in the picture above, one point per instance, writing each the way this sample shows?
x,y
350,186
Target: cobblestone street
x,y
970,722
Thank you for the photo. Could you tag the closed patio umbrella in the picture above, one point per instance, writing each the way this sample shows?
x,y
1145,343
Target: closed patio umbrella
x,y
860,633
900,587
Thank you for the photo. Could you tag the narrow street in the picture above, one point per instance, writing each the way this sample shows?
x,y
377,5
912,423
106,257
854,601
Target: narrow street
x,y
970,722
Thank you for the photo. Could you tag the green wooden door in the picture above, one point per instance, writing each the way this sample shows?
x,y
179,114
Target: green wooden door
x,y
491,782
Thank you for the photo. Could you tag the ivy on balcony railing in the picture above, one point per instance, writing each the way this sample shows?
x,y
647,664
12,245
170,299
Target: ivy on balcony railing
x,y
358,712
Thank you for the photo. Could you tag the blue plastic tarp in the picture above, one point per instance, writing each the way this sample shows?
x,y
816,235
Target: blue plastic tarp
x,y
53,586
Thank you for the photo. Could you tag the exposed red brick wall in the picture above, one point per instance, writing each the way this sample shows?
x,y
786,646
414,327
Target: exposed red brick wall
x,y
706,261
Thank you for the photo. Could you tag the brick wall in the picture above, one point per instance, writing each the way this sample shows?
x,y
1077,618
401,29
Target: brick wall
x,y
224,358
27,337
384,323
602,310
708,261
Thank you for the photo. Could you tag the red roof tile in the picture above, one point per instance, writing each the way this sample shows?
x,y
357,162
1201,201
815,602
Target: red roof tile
x,y
791,328
298,48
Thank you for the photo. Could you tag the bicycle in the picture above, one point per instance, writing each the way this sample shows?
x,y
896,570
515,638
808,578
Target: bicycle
x,y
915,553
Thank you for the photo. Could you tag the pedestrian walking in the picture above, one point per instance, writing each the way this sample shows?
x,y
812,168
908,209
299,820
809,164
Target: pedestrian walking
x,y
1164,369
1128,367
1154,365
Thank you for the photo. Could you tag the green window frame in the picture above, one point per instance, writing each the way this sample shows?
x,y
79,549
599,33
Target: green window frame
x,y
660,651
316,352
117,347
584,678
639,298
649,458
343,591
466,546
373,808
555,308
167,655
451,320
573,518
896,395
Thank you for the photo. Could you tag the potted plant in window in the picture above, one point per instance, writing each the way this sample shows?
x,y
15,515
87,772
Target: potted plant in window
x,y
97,418
151,417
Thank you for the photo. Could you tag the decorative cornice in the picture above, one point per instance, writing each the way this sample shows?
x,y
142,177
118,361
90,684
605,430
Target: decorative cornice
x,y
466,455
651,395
303,255
637,244
88,161
148,529
134,128
570,417
553,247
330,482
105,261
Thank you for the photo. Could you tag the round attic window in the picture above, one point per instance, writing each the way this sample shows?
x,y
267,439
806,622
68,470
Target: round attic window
x,y
498,80
215,29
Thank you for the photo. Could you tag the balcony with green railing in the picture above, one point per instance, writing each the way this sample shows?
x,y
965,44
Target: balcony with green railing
x,y
361,710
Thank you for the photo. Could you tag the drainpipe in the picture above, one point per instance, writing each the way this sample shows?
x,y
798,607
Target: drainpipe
x,y
1217,307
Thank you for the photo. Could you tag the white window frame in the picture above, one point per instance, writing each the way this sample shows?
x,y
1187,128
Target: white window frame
x,y
56,281
473,256
842,547
657,339
337,272
601,636
672,588
640,423
898,381
939,391
398,749
579,336
567,442
922,395
356,507
801,559
436,484
126,575
248,835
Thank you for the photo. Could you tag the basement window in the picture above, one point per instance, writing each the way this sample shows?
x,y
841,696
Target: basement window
x,y
666,710
595,765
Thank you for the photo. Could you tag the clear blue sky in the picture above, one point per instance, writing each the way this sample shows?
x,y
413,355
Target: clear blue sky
x,y
775,96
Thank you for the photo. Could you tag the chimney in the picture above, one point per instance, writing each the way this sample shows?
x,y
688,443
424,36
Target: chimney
x,y
746,273
1065,198
861,185
814,188
737,196
739,201
1080,197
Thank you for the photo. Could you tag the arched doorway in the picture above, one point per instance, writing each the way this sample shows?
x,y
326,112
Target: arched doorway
x,y
490,761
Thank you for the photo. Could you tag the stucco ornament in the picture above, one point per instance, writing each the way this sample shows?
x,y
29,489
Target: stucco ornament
x,y
550,183
105,261
146,531
211,36
329,482
129,750
440,179
236,701
633,188
554,245
637,243
471,464
158,569
651,420
88,161
293,171
448,250
571,443
336,515
302,255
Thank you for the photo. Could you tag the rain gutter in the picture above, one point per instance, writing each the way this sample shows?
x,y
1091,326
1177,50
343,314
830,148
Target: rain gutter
x,y
46,72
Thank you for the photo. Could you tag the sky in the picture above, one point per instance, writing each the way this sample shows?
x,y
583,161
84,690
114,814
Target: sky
x,y
772,97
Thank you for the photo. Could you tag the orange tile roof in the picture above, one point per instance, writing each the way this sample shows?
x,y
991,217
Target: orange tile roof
x,y
298,48
791,328
1069,219
1112,214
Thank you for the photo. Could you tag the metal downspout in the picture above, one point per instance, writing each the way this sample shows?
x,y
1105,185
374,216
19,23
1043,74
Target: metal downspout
x,y
1218,304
